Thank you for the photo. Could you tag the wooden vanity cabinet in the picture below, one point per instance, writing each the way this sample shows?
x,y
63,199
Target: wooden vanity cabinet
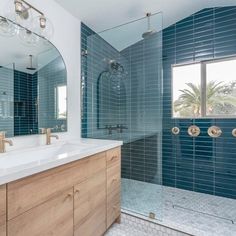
x,y
113,158
54,217
81,198
90,206
3,210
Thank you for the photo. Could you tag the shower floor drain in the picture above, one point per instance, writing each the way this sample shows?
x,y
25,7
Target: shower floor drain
x,y
207,214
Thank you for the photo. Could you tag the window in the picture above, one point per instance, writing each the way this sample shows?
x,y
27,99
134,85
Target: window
x,y
61,102
204,90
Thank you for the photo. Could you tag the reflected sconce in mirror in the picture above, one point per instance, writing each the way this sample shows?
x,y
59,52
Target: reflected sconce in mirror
x,y
234,132
194,131
214,131
7,28
175,130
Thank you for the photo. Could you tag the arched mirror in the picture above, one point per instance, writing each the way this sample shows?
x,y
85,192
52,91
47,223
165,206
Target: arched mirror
x,y
33,83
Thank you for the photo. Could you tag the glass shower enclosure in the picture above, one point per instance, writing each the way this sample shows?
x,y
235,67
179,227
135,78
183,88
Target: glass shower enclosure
x,y
7,99
122,100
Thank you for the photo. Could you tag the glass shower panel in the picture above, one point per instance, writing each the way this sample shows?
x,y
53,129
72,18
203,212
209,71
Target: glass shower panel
x,y
122,100
7,99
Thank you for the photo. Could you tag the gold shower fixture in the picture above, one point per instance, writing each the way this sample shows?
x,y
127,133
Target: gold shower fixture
x,y
175,130
214,131
194,131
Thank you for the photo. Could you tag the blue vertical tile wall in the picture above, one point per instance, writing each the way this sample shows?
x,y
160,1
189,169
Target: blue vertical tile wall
x,y
133,100
101,94
199,164
25,103
85,33
7,100
49,77
141,158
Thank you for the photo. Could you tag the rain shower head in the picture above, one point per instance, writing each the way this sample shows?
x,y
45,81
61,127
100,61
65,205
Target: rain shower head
x,y
30,67
149,31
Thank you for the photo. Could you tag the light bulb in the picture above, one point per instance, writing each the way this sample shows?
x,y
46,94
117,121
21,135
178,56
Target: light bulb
x,y
43,27
42,21
28,38
18,6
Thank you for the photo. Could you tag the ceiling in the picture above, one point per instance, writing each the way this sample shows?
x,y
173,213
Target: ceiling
x,y
103,14
18,53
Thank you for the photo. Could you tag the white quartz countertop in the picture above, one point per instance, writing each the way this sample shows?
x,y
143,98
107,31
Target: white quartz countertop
x,y
17,164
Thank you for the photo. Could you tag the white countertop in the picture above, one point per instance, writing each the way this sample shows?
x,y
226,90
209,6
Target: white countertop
x,y
17,164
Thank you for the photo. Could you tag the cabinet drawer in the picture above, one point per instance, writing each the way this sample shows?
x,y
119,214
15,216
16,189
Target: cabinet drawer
x,y
54,217
95,225
96,164
29,192
113,178
90,206
3,210
113,156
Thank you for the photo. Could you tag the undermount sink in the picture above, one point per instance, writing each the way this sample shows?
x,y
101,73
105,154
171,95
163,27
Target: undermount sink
x,y
41,154
26,161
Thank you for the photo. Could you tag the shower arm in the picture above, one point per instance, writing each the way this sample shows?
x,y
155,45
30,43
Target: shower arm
x,y
148,21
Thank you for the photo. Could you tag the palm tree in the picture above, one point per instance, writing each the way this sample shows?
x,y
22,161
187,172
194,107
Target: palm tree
x,y
189,102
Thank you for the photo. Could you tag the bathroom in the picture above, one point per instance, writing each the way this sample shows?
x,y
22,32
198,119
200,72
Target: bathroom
x,y
117,118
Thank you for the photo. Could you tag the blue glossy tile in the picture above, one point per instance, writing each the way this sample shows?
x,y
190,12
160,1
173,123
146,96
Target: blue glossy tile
x,y
211,35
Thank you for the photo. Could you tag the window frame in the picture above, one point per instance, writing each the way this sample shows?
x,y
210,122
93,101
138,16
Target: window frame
x,y
57,103
203,79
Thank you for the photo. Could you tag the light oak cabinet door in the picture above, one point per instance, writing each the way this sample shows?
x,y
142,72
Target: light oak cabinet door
x,y
3,210
52,218
113,157
29,192
90,206
113,185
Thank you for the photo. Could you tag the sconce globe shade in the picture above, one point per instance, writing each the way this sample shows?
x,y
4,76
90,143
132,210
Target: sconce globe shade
x,y
7,28
47,31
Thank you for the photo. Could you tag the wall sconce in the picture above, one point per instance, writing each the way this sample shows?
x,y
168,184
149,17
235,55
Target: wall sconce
x,y
26,15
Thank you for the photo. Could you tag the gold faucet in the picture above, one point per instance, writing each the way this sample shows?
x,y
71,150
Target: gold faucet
x,y
3,141
49,135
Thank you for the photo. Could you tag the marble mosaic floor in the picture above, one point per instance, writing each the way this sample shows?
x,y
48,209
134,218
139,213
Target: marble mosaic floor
x,y
193,213
132,226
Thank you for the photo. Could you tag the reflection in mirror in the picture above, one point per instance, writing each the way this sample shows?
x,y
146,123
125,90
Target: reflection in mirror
x,y
33,86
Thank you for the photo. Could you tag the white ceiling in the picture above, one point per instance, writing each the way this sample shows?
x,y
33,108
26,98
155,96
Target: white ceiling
x,y
18,53
103,14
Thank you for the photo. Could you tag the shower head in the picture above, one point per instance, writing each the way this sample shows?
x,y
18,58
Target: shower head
x,y
149,31
115,66
30,67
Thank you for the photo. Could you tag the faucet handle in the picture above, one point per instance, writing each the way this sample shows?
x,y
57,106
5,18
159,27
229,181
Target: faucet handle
x,y
3,141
